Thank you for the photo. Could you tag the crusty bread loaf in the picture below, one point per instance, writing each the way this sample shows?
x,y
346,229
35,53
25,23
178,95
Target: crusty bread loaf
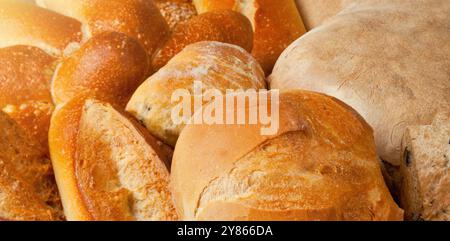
x,y
139,19
217,65
222,26
176,11
25,74
425,171
320,165
26,24
276,24
27,187
316,12
106,169
381,58
110,67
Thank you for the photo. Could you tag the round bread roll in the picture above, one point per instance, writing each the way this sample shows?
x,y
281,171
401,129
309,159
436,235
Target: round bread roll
x,y
22,23
27,187
214,64
381,58
110,67
222,26
176,11
276,24
320,165
105,166
139,19
25,75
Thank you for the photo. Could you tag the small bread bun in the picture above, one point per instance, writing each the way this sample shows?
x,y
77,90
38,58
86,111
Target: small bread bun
x,y
110,66
222,26
22,23
25,74
27,187
139,19
276,24
217,65
105,167
320,165
176,11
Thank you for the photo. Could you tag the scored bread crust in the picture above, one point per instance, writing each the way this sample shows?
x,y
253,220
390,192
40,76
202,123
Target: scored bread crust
x,y
139,19
321,165
222,26
109,66
276,24
26,24
27,188
217,65
126,189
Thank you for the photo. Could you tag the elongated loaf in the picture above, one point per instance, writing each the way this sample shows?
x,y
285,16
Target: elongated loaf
x,y
110,66
217,65
381,58
222,26
139,19
276,24
425,171
27,186
106,167
320,165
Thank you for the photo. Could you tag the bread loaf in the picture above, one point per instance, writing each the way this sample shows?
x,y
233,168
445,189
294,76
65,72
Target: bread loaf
x,y
27,188
22,23
106,168
381,58
139,19
425,169
276,24
176,11
320,165
217,65
110,66
222,26
316,12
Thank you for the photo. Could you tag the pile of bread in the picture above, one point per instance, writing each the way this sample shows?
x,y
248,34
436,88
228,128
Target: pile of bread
x,y
86,130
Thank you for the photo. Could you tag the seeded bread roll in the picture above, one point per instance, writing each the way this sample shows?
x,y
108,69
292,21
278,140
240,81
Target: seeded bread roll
x,y
22,23
381,58
222,26
27,187
106,167
425,169
217,65
276,24
110,67
139,19
176,11
320,165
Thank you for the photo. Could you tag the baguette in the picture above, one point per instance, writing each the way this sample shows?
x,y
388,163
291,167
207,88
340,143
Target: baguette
x,y
320,165
276,24
217,65
105,167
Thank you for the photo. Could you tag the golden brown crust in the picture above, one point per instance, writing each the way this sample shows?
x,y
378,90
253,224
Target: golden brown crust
x,y
110,66
222,26
276,24
216,65
121,178
26,24
321,165
176,11
27,187
139,19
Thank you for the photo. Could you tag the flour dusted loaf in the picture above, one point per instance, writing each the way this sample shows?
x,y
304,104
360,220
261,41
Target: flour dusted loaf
x,y
425,171
320,165
217,65
383,59
176,11
106,167
28,190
